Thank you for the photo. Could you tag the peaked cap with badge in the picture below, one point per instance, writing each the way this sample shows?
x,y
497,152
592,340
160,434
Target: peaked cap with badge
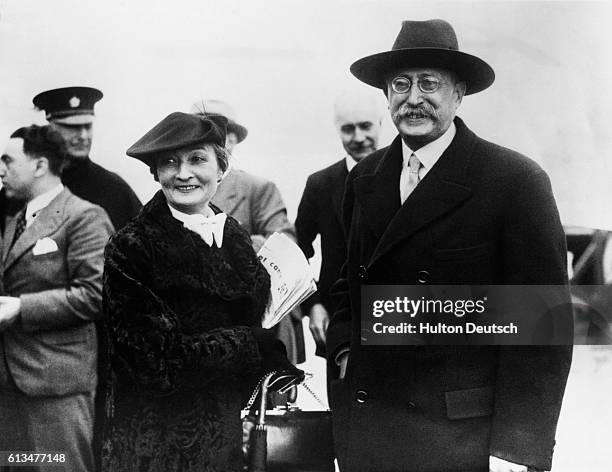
x,y
218,107
431,43
68,105
178,130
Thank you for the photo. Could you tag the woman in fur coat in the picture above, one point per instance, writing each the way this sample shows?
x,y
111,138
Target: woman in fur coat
x,y
184,292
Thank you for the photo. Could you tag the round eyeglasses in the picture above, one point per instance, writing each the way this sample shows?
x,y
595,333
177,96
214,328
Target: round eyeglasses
x,y
402,84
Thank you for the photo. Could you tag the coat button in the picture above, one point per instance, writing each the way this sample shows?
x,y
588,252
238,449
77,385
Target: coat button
x,y
361,396
363,272
423,277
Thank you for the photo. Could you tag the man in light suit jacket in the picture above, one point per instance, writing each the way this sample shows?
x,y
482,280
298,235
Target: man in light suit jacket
x,y
358,118
52,255
442,206
256,203
252,200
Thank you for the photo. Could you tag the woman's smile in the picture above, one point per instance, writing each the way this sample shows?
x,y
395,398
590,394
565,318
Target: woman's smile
x,y
186,188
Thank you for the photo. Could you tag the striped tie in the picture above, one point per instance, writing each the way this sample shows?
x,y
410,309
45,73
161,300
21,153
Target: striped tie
x,y
413,177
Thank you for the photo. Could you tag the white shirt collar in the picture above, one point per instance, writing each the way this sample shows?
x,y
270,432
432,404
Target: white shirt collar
x,y
209,228
429,154
35,205
185,217
350,162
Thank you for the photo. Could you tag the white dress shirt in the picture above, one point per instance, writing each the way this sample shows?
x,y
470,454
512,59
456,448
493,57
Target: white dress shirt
x,y
35,205
350,162
428,155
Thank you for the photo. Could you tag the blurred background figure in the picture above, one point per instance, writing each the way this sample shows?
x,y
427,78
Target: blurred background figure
x,y
52,253
184,294
358,119
70,112
258,206
590,269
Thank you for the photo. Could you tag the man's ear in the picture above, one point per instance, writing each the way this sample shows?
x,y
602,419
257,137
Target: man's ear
x,y
42,166
460,88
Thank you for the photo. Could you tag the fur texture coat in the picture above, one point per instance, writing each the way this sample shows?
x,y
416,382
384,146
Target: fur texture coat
x,y
178,315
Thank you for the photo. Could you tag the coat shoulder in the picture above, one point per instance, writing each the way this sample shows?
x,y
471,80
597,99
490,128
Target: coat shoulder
x,y
504,161
246,179
368,164
109,177
328,172
77,207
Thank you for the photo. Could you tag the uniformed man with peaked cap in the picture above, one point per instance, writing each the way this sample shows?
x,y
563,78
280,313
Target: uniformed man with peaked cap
x,y
70,111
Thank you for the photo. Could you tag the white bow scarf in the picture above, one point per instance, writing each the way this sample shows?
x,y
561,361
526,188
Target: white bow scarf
x,y
210,228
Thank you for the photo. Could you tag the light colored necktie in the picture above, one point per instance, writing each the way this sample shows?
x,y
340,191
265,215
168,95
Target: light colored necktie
x,y
412,179
209,228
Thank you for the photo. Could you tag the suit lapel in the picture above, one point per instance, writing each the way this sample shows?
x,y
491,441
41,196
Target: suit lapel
x,y
336,186
445,187
46,223
9,234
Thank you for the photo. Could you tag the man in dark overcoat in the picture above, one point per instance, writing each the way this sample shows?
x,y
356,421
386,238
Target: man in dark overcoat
x,y
358,119
442,206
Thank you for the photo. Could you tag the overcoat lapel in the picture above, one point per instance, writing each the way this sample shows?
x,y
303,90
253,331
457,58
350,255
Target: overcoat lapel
x,y
228,194
336,186
378,193
45,224
445,187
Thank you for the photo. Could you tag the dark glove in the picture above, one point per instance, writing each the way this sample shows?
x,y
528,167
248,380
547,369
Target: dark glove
x,y
274,358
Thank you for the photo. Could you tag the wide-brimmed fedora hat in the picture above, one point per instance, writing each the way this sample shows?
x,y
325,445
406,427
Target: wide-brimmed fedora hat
x,y
176,131
431,43
221,108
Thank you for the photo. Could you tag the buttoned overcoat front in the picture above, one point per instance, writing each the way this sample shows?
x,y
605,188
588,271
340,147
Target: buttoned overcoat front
x,y
482,215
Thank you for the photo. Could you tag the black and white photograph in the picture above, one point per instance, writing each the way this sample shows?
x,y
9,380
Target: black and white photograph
x,y
305,236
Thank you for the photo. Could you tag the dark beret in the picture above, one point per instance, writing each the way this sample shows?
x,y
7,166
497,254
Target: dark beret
x,y
179,130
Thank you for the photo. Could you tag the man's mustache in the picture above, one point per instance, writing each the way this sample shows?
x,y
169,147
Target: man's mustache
x,y
421,111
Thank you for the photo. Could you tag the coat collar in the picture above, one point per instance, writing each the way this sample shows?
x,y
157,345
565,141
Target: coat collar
x,y
157,210
445,187
231,272
76,169
46,223
227,195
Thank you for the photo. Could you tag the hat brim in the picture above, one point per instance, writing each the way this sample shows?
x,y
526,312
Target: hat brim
x,y
376,69
240,131
176,131
74,120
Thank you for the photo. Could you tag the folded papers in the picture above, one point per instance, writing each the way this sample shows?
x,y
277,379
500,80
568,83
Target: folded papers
x,y
291,280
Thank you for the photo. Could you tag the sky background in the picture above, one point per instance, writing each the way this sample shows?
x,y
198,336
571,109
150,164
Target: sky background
x,y
281,63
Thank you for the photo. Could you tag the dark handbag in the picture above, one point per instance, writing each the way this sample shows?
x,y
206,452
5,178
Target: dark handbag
x,y
287,440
